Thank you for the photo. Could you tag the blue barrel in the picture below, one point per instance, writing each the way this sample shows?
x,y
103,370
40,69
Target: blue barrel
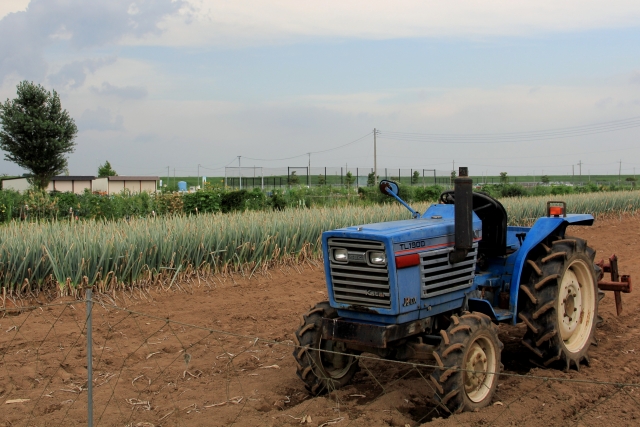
x,y
182,186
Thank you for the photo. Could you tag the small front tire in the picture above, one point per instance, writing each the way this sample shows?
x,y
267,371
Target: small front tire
x,y
323,365
468,361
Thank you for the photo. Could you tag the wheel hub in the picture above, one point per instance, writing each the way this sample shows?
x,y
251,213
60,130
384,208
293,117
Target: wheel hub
x,y
576,306
479,365
335,364
476,367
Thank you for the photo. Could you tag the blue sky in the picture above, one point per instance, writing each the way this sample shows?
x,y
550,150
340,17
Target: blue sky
x,y
164,83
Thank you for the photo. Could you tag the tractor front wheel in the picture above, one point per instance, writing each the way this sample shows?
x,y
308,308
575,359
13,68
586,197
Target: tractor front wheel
x,y
323,365
468,360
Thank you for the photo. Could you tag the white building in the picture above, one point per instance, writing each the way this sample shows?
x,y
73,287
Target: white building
x,y
78,184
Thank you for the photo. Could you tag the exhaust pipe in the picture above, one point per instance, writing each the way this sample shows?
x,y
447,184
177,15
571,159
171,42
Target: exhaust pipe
x,y
463,208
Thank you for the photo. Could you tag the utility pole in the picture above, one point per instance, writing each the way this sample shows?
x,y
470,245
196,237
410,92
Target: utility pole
x,y
580,165
309,171
375,158
198,174
240,172
453,165
619,172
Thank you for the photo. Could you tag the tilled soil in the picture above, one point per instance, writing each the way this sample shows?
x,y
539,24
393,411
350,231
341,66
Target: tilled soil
x,y
219,352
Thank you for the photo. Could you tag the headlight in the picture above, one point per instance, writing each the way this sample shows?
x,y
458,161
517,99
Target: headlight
x,y
378,258
340,255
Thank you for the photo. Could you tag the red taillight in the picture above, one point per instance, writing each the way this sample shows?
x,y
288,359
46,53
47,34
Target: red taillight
x,y
407,260
555,210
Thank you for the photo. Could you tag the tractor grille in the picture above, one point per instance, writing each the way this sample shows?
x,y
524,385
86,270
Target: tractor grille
x,y
439,276
356,282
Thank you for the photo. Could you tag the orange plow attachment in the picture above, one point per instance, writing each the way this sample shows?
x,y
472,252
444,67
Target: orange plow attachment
x,y
617,284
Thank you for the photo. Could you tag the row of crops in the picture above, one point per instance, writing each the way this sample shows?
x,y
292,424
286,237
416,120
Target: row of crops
x,y
63,255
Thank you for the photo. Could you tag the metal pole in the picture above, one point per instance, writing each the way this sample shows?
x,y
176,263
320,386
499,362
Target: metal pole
x,y
240,172
198,174
619,172
375,158
88,297
309,172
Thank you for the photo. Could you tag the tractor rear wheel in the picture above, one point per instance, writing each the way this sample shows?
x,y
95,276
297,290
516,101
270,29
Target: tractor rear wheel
x,y
323,365
559,303
468,361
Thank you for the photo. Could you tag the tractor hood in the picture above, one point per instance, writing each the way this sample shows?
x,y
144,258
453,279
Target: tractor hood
x,y
435,228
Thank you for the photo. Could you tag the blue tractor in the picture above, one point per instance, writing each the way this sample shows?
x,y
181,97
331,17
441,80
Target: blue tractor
x,y
434,287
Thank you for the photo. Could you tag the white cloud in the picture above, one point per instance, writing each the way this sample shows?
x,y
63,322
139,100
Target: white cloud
x,y
100,119
233,22
25,35
74,73
121,92
12,6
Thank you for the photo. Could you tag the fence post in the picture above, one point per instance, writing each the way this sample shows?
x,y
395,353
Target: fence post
x,y
88,296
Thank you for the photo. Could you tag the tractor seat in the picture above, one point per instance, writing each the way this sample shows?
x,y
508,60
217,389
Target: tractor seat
x,y
494,221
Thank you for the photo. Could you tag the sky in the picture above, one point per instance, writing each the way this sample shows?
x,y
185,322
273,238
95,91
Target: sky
x,y
528,88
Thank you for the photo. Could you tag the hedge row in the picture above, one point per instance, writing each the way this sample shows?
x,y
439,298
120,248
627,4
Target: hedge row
x,y
66,206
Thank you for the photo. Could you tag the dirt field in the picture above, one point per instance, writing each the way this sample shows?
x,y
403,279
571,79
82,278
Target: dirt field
x,y
149,371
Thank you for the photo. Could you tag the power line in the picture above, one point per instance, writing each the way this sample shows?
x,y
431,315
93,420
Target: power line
x,y
557,133
313,152
220,167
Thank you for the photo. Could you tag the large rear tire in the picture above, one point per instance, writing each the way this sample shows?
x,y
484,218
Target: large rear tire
x,y
322,371
468,361
559,303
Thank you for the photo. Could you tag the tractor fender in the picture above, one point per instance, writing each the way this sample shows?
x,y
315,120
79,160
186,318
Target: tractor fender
x,y
543,228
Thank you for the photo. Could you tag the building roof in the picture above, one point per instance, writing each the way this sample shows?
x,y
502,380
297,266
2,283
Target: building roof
x,y
73,178
133,178
58,178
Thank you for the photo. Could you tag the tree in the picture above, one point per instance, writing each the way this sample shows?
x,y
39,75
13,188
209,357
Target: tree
x,y
36,132
105,170
371,179
504,179
545,179
348,179
453,175
321,180
415,177
294,179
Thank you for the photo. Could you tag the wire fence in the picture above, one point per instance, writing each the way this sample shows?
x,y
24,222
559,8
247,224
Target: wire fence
x,y
250,177
95,363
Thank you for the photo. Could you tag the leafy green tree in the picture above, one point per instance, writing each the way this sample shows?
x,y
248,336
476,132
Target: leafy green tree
x,y
415,177
371,179
453,175
36,132
545,179
106,170
321,180
294,179
504,179
348,179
